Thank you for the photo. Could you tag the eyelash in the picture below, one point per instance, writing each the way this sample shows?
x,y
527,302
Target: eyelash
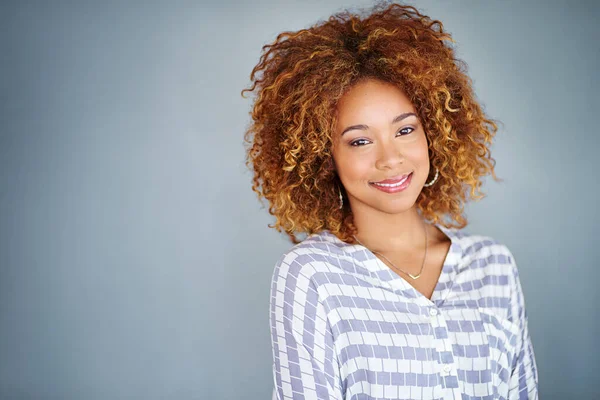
x,y
354,143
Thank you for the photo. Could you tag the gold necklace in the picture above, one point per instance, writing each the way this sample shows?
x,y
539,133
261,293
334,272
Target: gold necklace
x,y
409,274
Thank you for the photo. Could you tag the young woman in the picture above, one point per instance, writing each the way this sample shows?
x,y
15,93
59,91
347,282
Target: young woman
x,y
367,138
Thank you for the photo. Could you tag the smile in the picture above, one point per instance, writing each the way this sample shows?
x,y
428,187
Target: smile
x,y
393,185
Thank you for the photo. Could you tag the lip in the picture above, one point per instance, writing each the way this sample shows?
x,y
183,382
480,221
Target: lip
x,y
393,180
394,189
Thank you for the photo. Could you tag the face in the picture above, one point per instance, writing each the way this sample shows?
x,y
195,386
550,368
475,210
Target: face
x,y
378,140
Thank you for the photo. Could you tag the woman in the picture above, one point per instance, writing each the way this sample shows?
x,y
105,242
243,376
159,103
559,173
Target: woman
x,y
367,138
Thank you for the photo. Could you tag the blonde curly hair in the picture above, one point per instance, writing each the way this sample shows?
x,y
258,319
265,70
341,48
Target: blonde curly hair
x,y
301,76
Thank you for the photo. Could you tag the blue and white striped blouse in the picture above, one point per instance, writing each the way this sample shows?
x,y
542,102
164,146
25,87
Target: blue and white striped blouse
x,y
345,326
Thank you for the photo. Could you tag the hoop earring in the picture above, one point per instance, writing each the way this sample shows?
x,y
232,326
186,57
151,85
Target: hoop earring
x,y
341,198
437,173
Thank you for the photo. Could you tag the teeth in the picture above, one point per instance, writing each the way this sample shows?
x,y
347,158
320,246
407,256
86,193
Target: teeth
x,y
391,184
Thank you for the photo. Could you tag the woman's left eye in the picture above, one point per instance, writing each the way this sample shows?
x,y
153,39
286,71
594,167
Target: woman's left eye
x,y
406,131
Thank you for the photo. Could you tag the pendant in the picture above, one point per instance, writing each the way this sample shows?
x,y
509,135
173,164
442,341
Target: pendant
x,y
414,276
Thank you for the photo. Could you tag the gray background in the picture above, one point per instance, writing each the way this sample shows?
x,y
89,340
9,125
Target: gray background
x,y
135,261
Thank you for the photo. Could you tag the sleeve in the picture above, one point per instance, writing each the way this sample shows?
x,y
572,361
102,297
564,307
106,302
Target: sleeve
x,y
305,364
523,381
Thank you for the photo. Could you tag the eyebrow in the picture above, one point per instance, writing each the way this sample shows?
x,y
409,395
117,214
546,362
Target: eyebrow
x,y
394,121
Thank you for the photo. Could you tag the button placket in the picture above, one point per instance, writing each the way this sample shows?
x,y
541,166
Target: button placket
x,y
447,370
442,344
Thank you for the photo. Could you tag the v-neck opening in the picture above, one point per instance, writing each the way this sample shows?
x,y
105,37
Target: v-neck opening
x,y
445,278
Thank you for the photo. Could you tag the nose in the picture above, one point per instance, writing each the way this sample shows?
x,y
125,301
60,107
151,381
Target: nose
x,y
388,156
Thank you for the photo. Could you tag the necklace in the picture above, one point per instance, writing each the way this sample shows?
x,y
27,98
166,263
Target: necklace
x,y
411,275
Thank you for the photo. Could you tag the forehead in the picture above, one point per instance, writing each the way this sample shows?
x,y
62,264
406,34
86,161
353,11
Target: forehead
x,y
372,99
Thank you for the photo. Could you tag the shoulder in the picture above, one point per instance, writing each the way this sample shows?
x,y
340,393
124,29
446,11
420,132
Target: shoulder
x,y
477,243
322,246
480,250
491,263
309,263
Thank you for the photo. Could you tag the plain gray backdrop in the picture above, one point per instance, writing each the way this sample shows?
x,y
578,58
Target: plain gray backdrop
x,y
135,261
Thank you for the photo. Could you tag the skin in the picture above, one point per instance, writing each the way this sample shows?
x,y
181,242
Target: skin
x,y
378,136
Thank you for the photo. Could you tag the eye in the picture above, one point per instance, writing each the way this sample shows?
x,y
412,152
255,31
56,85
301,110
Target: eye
x,y
359,142
405,132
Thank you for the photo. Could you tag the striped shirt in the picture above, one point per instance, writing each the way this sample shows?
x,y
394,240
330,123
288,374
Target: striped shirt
x,y
345,326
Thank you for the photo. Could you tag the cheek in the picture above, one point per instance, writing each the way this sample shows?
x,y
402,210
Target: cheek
x,y
351,165
421,155
419,151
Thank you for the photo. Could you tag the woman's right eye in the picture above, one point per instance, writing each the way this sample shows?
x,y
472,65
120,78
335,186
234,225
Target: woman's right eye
x,y
359,142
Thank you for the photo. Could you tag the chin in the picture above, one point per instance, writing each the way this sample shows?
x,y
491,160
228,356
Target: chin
x,y
387,206
394,209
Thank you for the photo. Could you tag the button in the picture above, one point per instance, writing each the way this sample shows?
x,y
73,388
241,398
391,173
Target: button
x,y
433,312
447,368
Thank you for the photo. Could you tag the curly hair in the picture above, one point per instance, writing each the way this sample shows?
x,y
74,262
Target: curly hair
x,y
301,76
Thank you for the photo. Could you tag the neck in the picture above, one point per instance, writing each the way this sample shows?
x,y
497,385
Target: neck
x,y
382,232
